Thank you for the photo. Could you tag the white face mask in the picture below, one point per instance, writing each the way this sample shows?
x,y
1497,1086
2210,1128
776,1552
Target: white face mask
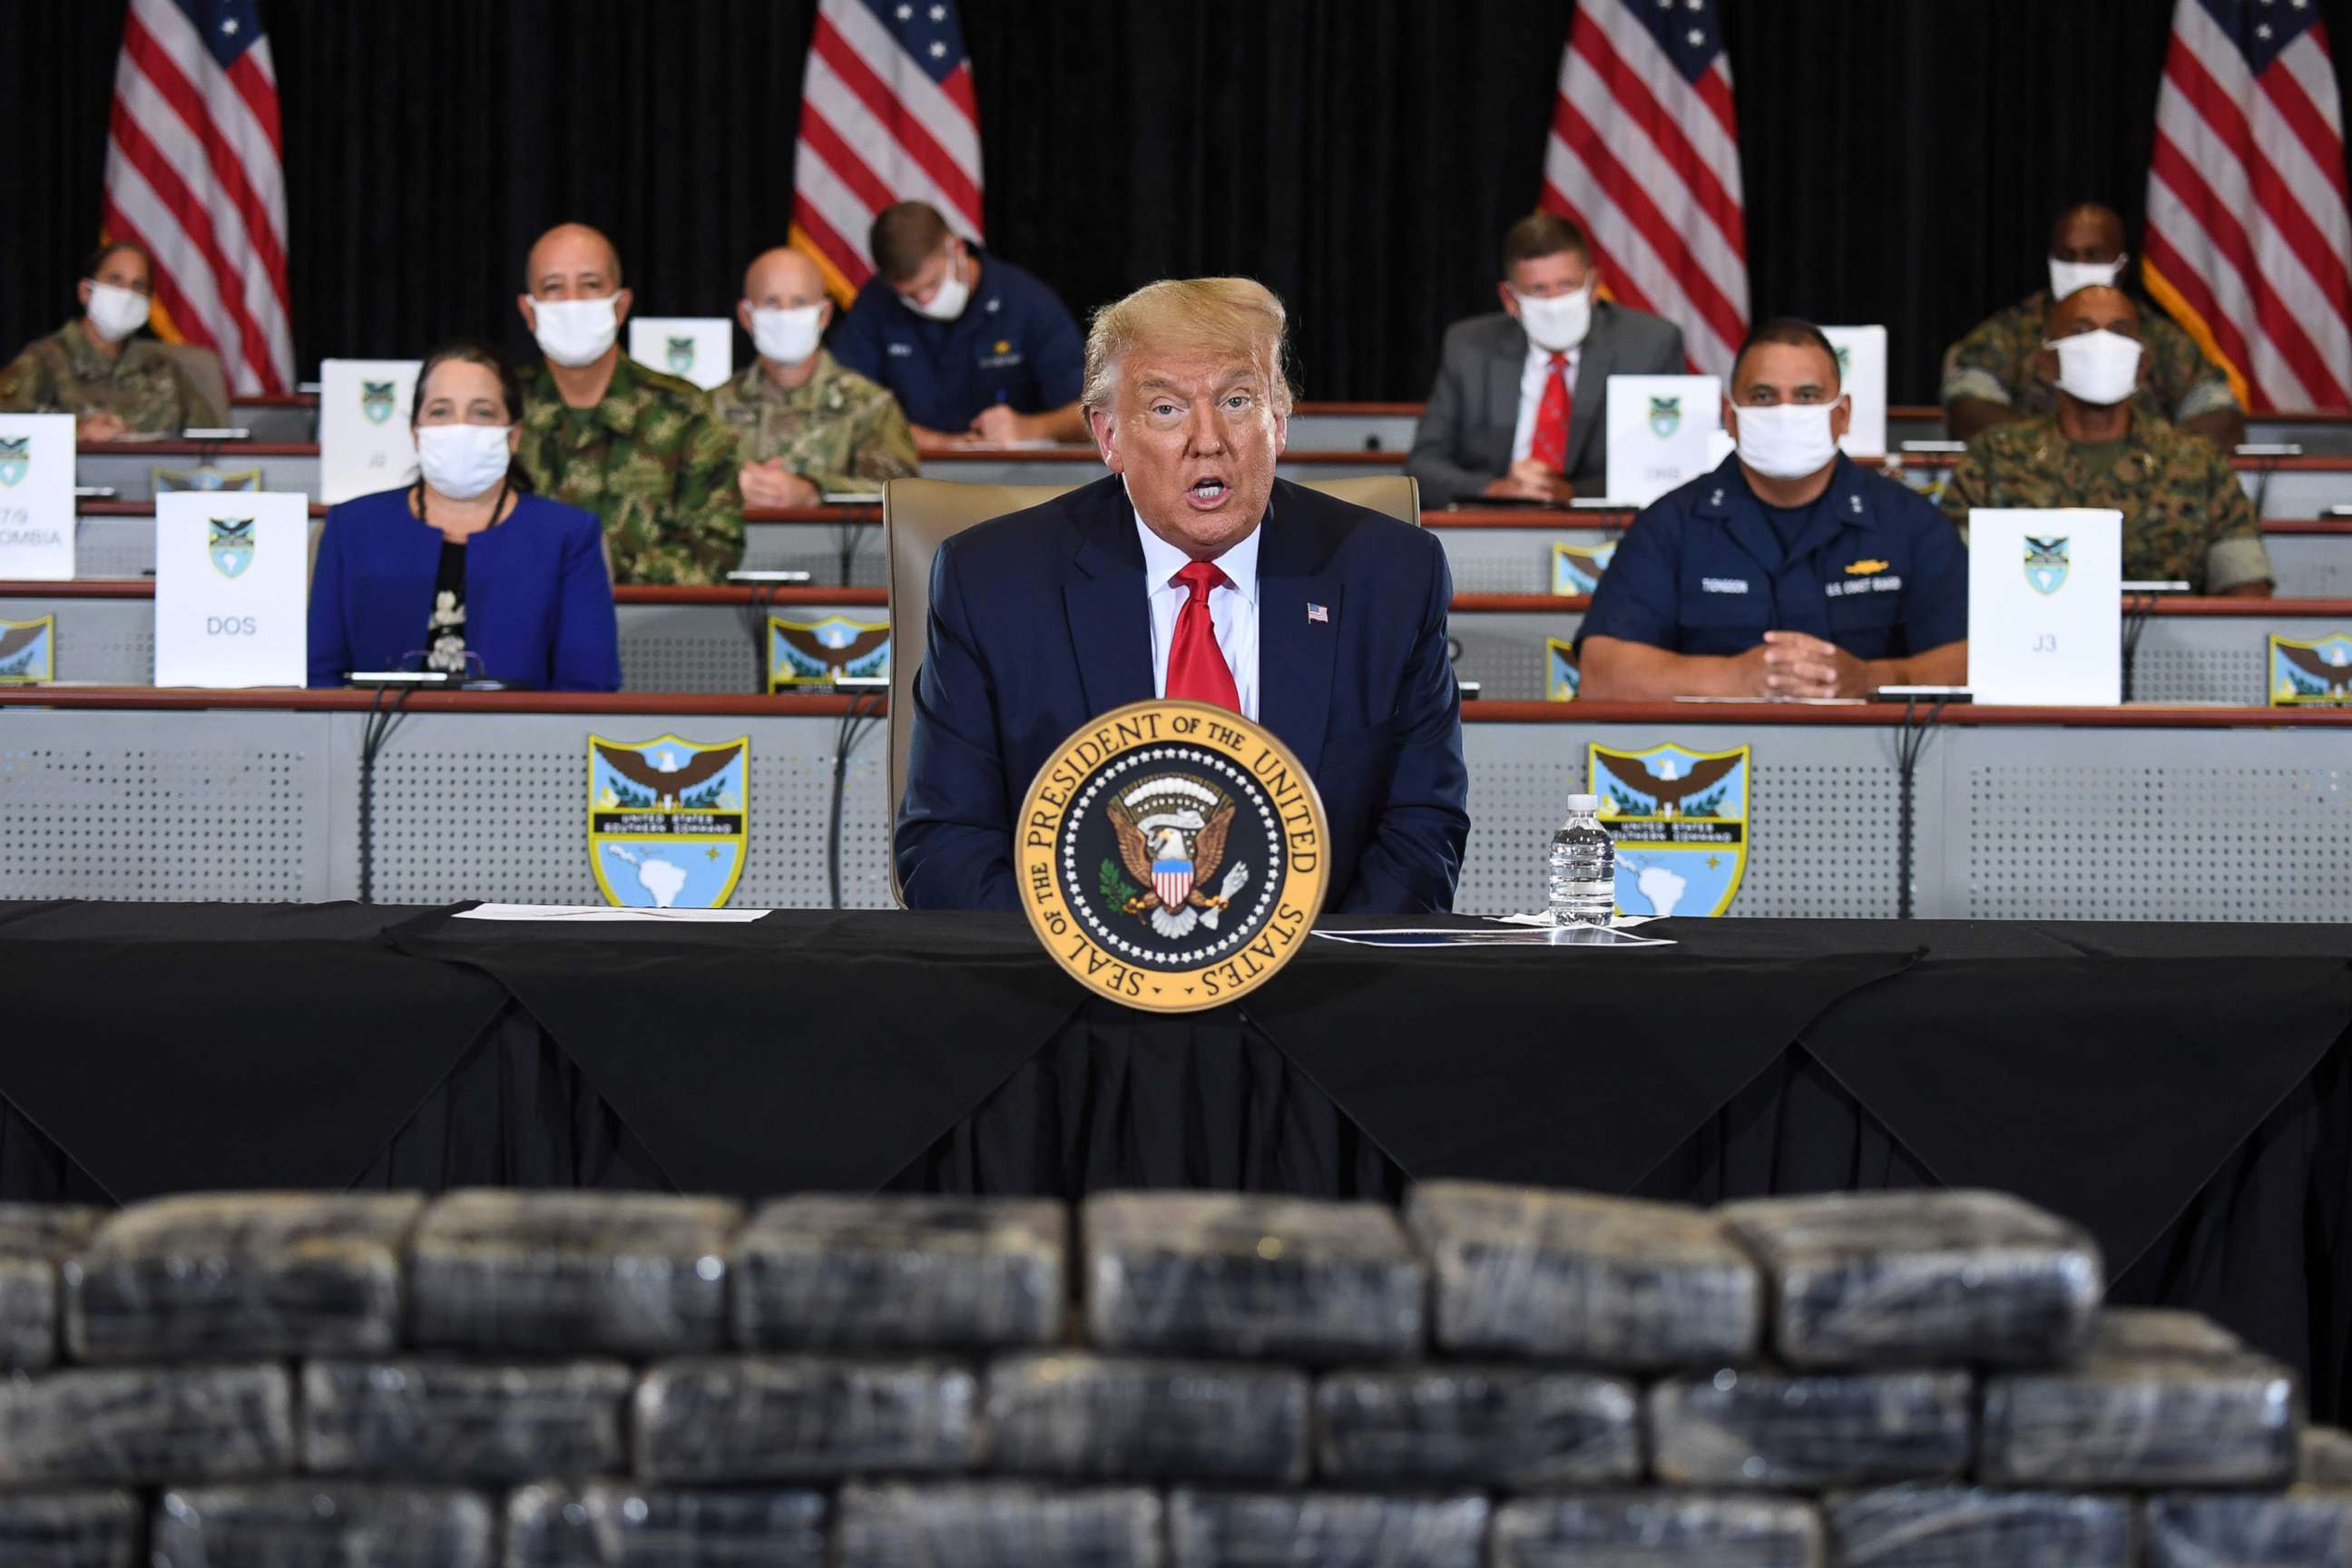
x,y
1788,440
947,300
116,312
461,461
787,337
573,333
2100,367
2066,276
1558,323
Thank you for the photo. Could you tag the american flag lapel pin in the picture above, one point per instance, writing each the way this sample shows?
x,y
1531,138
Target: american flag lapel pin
x,y
1317,612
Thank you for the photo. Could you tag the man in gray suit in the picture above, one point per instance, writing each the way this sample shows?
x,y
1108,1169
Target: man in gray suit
x,y
1522,396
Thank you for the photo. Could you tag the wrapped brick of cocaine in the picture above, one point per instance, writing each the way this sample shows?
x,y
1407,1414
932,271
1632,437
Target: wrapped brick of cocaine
x,y
433,1420
1497,1426
1116,1418
70,1529
617,1524
1811,1431
1977,1527
747,1418
146,1426
35,1241
2142,1421
322,1525
996,1524
1329,1530
1656,1530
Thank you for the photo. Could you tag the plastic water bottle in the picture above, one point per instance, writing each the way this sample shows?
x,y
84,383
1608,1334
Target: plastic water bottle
x,y
1581,874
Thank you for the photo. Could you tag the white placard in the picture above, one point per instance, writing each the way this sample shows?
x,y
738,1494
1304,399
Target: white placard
x,y
231,574
1657,435
700,349
364,444
2045,606
37,499
1862,369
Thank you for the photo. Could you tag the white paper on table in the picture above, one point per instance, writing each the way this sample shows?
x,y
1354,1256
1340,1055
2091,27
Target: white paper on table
x,y
1861,370
573,914
1516,936
1657,433
232,588
36,497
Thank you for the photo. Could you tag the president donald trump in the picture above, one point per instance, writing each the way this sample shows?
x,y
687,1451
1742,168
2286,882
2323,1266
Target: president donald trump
x,y
1191,572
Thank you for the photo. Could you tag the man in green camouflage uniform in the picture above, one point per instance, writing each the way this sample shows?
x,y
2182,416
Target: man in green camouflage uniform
x,y
118,386
2186,517
806,424
640,449
1992,376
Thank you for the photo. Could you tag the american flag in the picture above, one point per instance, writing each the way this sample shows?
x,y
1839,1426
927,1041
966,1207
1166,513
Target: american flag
x,y
2248,239
194,172
886,115
1643,155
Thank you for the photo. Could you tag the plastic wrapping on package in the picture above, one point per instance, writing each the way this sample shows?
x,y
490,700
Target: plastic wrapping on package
x,y
69,1529
1228,1275
2239,1531
1974,1527
134,1426
1656,1530
1922,1278
1099,1417
1807,1431
890,1273
2142,1421
241,1274
613,1524
457,1421
2159,1331
2325,1460
747,1418
34,1239
996,1524
1479,1426
572,1273
1328,1530
323,1524
1598,1281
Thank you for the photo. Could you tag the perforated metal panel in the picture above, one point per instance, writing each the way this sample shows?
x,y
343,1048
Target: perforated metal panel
x,y
1511,560
108,642
162,806
1506,653
2312,565
480,806
816,549
697,648
2122,825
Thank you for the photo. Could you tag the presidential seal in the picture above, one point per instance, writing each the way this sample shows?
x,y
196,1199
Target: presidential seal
x,y
1173,856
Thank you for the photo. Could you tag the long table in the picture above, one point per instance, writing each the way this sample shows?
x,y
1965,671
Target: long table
x,y
2141,812
2184,1092
710,640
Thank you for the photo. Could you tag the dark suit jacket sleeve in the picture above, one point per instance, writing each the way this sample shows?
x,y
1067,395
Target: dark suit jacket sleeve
x,y
954,843
1668,361
1444,435
1413,859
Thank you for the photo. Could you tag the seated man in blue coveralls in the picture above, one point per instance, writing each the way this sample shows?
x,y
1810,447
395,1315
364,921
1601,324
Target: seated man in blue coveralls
x,y
972,347
1788,572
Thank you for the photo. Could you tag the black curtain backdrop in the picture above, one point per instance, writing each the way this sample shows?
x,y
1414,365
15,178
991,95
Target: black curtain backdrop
x,y
1362,156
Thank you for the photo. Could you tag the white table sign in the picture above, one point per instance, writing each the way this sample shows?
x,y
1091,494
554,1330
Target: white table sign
x,y
364,444
232,573
1862,369
1658,431
37,499
700,349
2045,606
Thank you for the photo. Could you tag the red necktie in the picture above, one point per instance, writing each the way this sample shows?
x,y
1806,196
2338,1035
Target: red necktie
x,y
1548,445
1197,671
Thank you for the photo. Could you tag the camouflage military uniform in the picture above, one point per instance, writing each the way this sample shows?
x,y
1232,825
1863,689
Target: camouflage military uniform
x,y
2185,518
651,462
65,373
837,430
1996,362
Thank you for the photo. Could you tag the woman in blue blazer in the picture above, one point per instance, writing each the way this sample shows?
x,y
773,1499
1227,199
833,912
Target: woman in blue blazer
x,y
463,571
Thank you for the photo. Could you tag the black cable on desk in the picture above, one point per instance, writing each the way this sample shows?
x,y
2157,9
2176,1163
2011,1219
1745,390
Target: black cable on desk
x,y
855,723
2136,618
1909,743
377,728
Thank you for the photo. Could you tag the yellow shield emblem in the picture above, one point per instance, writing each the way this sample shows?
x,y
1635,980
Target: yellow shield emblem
x,y
1680,819
666,820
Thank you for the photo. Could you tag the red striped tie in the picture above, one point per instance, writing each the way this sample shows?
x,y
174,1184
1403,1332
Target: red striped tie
x,y
1197,671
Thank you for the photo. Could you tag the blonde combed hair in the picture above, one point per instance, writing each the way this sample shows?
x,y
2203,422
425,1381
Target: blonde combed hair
x,y
1240,316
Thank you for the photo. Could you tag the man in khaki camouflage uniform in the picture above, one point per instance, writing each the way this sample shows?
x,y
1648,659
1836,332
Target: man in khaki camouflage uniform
x,y
1992,376
118,385
806,424
2186,517
640,449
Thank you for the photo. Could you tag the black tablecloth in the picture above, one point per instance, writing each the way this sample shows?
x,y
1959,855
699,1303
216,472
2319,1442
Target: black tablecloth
x,y
2182,1090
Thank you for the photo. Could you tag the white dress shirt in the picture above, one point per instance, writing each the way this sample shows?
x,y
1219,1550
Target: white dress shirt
x,y
1537,372
1233,611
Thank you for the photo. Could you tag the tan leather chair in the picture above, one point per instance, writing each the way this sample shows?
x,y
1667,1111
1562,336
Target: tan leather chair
x,y
918,516
202,366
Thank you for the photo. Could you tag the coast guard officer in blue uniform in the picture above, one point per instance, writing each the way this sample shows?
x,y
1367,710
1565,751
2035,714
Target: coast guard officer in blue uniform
x,y
1791,570
972,347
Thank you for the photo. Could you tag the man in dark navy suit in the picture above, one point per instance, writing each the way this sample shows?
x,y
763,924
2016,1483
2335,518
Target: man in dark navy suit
x,y
1191,572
